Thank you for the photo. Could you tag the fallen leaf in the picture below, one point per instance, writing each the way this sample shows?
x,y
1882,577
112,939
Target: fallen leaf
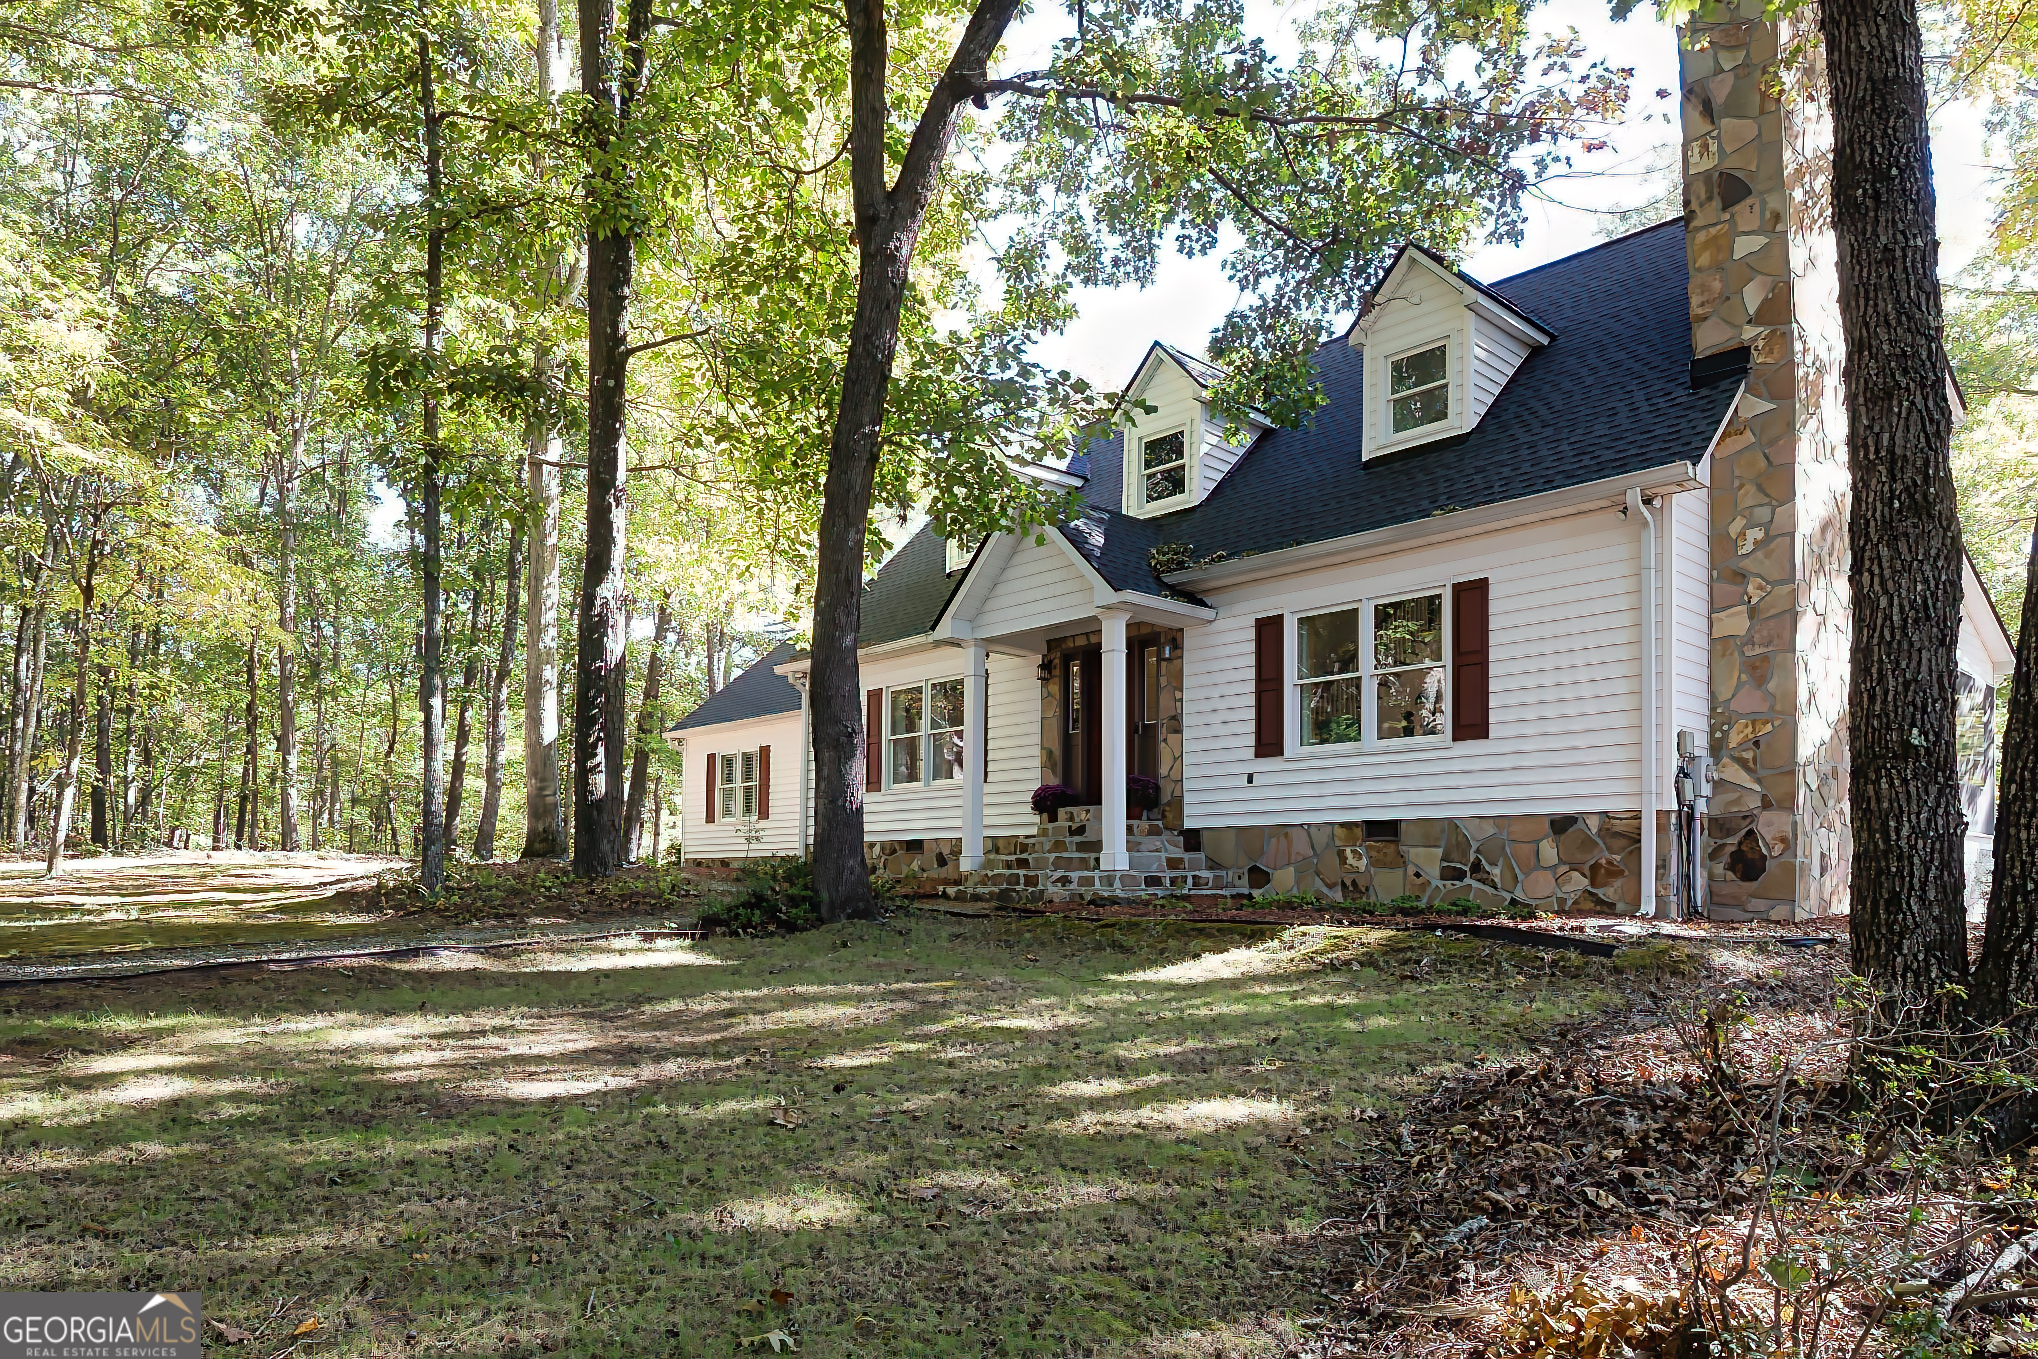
x,y
779,1340
781,1297
233,1335
306,1327
752,1305
1601,1197
420,1257
95,1227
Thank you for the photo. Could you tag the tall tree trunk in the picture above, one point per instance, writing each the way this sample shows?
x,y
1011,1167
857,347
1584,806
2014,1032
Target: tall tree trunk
x,y
23,753
74,739
17,695
251,716
102,756
544,799
130,789
600,730
1908,923
286,652
431,687
647,731
219,794
888,221
497,739
463,726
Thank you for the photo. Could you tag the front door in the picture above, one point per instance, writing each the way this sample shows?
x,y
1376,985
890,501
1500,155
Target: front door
x,y
1144,705
1082,751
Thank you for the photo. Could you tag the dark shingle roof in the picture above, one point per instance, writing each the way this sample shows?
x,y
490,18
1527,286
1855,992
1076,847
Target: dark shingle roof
x,y
1611,394
757,692
908,593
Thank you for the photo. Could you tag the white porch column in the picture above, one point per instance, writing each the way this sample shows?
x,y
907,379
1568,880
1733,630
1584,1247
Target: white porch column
x,y
974,755
1112,739
806,760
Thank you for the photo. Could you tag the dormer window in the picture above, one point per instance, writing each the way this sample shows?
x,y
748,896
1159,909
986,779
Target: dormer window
x,y
1419,388
1164,467
959,552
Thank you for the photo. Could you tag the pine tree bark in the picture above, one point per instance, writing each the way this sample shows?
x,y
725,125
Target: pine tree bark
x,y
431,687
1908,923
647,731
497,739
600,722
888,221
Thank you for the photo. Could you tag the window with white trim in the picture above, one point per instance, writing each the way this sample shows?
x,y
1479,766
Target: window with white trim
x,y
739,786
1164,467
923,733
1418,389
1372,673
958,552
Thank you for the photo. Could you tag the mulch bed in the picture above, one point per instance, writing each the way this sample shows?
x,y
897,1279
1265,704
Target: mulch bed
x,y
1599,1158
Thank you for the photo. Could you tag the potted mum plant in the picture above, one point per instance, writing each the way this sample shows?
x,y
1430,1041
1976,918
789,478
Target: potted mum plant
x,y
1141,793
1050,798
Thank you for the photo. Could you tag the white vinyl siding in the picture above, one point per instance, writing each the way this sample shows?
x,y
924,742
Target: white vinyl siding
x,y
1564,677
1219,456
1496,353
779,833
1040,586
1012,718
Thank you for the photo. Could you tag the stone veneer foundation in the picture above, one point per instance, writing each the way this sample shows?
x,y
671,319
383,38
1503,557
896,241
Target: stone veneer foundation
x,y
1756,156
1569,863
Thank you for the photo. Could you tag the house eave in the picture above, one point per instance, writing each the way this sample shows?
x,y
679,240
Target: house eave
x,y
1667,479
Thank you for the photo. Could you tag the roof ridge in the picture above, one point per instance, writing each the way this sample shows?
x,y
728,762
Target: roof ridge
x,y
1580,254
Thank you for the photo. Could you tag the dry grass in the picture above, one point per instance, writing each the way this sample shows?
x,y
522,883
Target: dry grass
x,y
938,1137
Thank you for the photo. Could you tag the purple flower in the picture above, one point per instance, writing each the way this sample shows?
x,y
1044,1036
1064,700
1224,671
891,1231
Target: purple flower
x,y
1050,798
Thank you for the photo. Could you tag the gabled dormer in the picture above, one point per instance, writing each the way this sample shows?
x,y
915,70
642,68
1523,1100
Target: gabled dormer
x,y
1176,455
1438,348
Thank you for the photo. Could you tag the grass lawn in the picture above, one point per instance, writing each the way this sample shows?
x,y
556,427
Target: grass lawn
x,y
938,1136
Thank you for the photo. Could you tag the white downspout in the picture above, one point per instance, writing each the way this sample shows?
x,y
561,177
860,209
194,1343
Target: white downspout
x,y
1649,704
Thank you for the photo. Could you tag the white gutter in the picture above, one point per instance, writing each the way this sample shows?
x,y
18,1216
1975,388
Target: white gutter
x,y
1647,867
1588,498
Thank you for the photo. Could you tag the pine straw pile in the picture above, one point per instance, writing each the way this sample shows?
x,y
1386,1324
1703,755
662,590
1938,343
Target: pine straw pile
x,y
1685,1175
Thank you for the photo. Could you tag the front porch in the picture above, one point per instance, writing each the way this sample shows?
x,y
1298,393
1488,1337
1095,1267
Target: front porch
x,y
1063,861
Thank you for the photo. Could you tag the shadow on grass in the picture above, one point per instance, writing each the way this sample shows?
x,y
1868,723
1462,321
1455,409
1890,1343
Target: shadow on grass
x,y
937,1137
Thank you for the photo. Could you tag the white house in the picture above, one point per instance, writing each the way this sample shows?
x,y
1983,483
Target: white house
x,y
1448,638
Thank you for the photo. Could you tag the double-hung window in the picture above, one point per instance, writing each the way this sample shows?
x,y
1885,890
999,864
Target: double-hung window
x,y
739,786
1372,674
924,733
1164,467
1418,389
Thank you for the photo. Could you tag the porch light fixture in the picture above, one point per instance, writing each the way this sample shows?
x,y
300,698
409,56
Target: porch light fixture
x,y
1046,670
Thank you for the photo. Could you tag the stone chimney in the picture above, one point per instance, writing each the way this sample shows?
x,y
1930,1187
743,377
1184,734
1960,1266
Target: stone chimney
x,y
1757,145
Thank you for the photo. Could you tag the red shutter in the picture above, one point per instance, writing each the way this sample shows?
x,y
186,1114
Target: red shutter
x,y
1267,734
764,783
712,787
1468,661
874,741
